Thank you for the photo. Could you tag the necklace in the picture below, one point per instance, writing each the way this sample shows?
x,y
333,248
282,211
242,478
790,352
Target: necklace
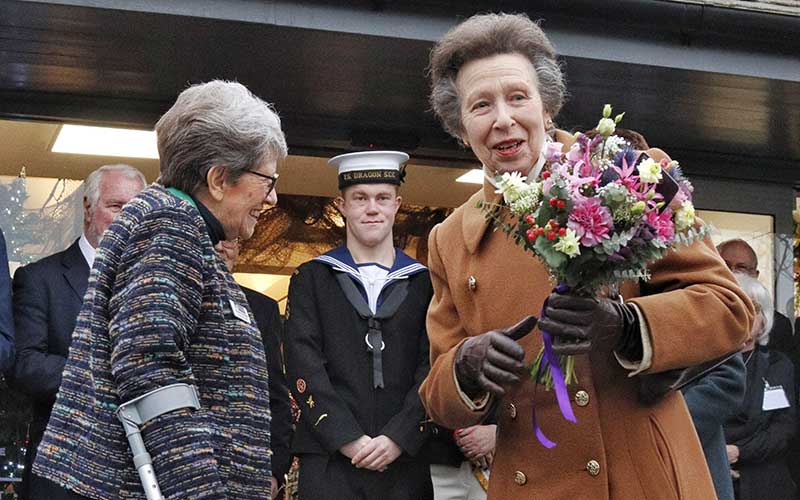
x,y
749,356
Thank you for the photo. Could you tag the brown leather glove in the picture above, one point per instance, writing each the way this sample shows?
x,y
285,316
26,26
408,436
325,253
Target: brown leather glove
x,y
577,323
492,361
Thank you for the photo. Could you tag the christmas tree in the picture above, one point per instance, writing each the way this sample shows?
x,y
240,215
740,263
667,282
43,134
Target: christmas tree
x,y
19,229
18,223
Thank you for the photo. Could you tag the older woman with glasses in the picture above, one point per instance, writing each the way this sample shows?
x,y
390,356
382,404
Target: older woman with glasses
x,y
162,309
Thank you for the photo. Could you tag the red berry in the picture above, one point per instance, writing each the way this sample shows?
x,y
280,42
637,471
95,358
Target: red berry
x,y
562,232
561,203
529,219
545,175
554,223
540,230
553,202
531,234
551,235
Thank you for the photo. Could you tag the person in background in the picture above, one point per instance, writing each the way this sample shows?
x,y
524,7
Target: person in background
x,y
357,350
162,308
758,435
461,460
497,86
47,299
740,257
6,318
712,398
268,318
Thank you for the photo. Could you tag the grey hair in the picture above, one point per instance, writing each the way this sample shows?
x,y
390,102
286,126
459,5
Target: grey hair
x,y
216,123
759,294
91,185
486,35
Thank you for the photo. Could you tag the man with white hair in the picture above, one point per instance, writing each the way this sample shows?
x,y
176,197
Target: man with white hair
x,y
48,295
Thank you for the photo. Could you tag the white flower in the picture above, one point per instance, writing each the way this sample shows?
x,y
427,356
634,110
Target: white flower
x,y
606,127
613,145
528,200
684,216
649,171
511,185
568,244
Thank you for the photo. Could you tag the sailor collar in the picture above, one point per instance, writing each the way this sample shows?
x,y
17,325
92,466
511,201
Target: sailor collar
x,y
340,259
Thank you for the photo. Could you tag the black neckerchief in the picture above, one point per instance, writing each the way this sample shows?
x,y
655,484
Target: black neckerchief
x,y
215,230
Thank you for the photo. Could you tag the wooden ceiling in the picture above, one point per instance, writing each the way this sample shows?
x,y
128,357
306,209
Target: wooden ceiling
x,y
339,91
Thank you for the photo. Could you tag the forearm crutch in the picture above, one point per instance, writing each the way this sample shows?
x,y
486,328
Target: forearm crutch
x,y
147,407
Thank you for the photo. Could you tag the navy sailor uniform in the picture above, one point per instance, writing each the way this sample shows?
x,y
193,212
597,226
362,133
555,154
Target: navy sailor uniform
x,y
331,374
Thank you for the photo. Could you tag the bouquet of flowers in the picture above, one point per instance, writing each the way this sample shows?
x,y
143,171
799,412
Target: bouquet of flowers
x,y
596,216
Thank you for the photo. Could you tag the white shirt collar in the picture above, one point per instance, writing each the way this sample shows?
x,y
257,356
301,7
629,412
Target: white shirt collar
x,y
87,250
532,176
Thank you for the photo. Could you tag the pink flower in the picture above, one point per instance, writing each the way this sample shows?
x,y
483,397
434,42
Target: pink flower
x,y
575,153
591,221
678,200
665,228
552,151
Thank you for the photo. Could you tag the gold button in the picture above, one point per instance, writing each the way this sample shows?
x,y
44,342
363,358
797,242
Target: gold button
x,y
520,478
582,398
593,467
472,283
512,411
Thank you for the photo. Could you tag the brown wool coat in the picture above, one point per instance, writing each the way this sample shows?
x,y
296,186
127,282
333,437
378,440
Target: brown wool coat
x,y
694,311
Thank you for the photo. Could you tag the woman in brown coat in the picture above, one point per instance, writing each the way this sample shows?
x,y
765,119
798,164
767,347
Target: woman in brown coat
x,y
496,85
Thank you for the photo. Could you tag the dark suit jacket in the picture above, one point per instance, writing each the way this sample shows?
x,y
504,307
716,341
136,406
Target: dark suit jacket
x,y
763,436
268,319
6,319
47,299
712,400
781,337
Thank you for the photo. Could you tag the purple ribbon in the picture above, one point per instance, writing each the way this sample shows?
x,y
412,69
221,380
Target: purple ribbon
x,y
562,396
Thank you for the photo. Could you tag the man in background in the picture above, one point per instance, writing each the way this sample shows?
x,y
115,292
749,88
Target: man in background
x,y
268,319
739,256
357,349
47,299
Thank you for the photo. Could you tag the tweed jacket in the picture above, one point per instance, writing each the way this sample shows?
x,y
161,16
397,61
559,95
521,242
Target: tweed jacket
x,y
619,449
160,310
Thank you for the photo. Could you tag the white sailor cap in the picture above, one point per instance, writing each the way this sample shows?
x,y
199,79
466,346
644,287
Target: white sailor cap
x,y
370,167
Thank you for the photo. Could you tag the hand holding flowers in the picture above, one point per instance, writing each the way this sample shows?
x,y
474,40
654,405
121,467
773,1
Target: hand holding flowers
x,y
596,216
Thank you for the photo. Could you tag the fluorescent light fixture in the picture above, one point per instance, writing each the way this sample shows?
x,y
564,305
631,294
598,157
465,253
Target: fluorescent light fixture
x,y
474,176
105,141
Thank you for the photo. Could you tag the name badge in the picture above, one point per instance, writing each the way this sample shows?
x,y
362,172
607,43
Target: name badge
x,y
774,398
239,311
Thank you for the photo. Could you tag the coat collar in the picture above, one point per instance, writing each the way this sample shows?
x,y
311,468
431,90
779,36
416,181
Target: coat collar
x,y
474,223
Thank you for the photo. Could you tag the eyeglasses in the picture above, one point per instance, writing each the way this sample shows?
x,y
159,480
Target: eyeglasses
x,y
269,180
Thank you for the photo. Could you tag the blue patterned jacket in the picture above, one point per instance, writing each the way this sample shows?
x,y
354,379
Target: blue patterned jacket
x,y
157,312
